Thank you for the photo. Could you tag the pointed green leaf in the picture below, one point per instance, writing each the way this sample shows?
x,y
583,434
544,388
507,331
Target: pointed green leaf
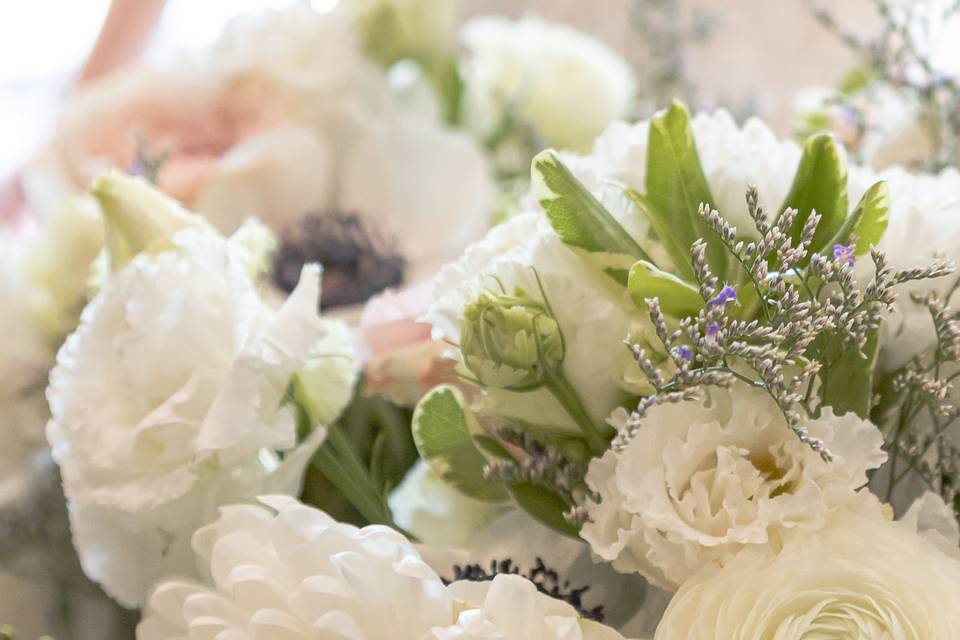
x,y
576,215
442,433
677,298
868,221
848,381
820,184
675,188
544,505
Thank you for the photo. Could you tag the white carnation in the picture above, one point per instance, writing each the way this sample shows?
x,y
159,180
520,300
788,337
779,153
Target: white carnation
x,y
291,571
167,401
593,313
565,84
703,479
858,578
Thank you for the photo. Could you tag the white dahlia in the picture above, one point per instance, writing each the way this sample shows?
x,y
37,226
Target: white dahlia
x,y
290,571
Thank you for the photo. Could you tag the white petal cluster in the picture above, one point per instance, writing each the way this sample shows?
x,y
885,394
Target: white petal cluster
x,y
290,571
564,84
167,401
858,578
732,158
702,480
593,313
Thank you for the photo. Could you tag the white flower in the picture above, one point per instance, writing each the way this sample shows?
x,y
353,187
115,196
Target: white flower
x,y
858,578
591,310
293,572
703,479
436,513
564,84
25,355
168,399
732,158
924,224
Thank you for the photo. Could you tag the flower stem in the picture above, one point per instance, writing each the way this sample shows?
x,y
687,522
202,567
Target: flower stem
x,y
567,396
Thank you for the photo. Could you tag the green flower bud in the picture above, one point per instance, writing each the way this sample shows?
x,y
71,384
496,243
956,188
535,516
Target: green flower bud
x,y
510,342
138,216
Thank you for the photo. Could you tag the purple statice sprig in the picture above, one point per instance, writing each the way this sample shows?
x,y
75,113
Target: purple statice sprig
x,y
808,306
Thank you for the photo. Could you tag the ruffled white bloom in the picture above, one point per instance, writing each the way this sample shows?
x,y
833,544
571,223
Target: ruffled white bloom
x,y
564,84
292,572
857,578
591,310
732,158
702,480
168,398
924,224
436,513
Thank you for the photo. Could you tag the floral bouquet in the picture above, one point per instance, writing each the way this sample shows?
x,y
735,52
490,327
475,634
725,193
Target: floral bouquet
x,y
700,386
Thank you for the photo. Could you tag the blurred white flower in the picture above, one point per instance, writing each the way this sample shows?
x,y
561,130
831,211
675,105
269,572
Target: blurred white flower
x,y
590,309
857,578
291,571
565,85
168,398
703,479
436,513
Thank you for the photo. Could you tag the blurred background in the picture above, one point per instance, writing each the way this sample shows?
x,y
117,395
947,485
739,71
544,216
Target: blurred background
x,y
750,56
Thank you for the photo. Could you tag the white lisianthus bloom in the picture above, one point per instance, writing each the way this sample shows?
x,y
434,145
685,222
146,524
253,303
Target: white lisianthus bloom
x,y
733,157
703,479
857,578
589,309
291,571
168,398
565,85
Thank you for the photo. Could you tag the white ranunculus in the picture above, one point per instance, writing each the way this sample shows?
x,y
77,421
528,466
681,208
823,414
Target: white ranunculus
x,y
564,84
732,157
168,401
291,571
592,311
924,225
703,479
857,578
436,513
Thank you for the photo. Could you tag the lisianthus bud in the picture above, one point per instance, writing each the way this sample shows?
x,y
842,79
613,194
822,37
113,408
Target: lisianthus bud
x,y
510,342
138,216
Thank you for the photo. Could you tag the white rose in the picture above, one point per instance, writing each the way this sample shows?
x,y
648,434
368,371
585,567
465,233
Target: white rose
x,y
703,479
591,311
564,84
168,399
858,578
291,571
732,157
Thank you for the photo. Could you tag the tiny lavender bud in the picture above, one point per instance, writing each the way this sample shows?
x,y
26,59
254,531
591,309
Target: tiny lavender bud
x,y
684,353
844,253
713,330
727,294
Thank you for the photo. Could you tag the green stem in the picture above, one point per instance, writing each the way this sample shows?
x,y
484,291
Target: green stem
x,y
567,396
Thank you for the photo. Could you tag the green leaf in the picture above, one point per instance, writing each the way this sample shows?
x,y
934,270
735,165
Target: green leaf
x,y
544,505
675,189
868,221
820,184
442,433
677,298
576,215
848,381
